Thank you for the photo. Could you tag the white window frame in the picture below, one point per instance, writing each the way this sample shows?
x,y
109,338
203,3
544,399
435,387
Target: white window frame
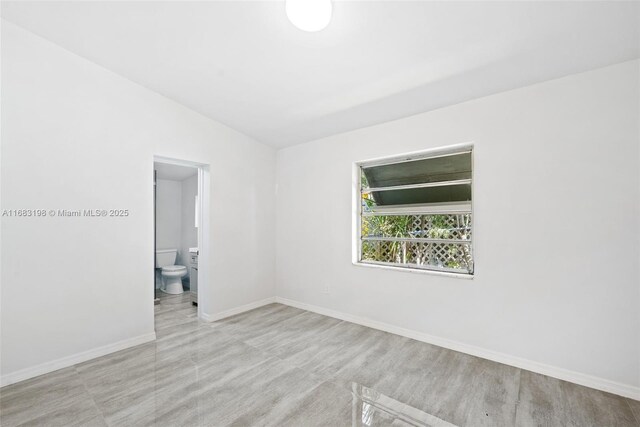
x,y
357,206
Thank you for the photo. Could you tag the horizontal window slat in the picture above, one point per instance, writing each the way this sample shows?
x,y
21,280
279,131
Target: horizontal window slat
x,y
417,209
421,185
415,212
416,240
395,211
412,158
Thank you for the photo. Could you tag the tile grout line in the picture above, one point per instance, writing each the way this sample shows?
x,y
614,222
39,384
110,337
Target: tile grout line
x,y
515,414
93,400
633,413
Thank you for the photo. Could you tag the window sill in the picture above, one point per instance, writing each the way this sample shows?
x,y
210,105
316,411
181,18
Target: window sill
x,y
416,270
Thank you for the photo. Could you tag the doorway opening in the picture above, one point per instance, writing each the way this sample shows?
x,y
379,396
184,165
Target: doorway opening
x,y
180,218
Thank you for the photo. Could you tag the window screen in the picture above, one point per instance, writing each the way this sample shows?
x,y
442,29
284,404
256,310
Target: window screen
x,y
416,213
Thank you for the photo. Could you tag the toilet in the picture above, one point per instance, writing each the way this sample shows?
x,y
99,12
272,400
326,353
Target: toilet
x,y
171,274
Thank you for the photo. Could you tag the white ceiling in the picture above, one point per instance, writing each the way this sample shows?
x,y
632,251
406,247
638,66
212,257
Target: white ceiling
x,y
174,172
243,64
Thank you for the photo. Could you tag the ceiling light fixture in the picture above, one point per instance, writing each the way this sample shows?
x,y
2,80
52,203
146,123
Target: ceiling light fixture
x,y
309,15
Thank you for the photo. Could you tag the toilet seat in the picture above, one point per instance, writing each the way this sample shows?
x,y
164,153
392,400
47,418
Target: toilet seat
x,y
174,268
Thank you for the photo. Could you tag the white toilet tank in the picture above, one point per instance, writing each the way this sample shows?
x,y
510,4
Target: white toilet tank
x,y
165,257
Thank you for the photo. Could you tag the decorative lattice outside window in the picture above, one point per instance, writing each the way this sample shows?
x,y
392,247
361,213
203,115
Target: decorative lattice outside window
x,y
414,211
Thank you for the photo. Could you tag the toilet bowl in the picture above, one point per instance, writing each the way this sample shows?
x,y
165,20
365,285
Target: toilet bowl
x,y
172,279
171,274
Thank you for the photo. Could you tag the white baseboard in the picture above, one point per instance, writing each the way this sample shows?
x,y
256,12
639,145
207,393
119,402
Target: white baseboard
x,y
237,310
65,362
529,365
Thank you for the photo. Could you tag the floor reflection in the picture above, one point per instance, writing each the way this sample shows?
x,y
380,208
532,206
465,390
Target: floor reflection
x,y
371,408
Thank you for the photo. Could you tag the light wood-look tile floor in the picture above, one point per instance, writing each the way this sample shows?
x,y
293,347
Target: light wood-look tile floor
x,y
281,366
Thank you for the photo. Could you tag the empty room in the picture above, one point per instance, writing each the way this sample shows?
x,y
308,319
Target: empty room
x,y
320,213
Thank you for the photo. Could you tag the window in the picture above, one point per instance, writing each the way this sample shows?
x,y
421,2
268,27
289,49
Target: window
x,y
414,211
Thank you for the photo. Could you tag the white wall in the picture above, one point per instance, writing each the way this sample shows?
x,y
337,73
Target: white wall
x,y
556,206
169,214
77,136
189,232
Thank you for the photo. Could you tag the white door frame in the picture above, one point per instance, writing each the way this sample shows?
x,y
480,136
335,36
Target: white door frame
x,y
204,190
